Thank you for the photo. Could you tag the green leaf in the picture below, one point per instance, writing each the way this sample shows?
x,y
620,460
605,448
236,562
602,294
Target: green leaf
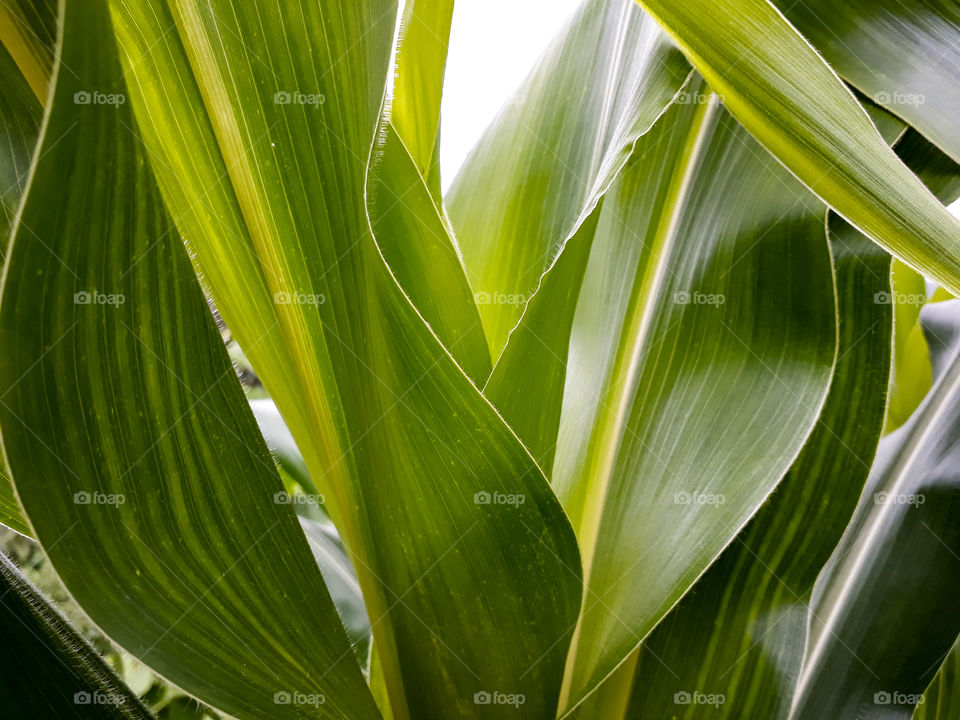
x,y
737,637
421,63
783,92
941,701
270,198
873,659
709,287
540,168
912,377
20,115
127,434
28,29
50,671
526,385
904,54
412,234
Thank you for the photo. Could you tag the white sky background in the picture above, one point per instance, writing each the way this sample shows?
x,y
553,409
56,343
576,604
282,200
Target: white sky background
x,y
493,45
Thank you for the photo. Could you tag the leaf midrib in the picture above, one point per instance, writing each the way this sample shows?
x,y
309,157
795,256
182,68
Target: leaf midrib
x,y
642,307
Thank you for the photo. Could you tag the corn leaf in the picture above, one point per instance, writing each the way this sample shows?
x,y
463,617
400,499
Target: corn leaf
x,y
783,92
551,153
432,493
421,63
49,670
941,701
413,236
874,659
737,639
28,29
20,114
695,321
127,434
903,54
734,645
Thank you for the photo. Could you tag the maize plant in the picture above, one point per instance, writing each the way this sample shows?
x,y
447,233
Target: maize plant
x,y
651,412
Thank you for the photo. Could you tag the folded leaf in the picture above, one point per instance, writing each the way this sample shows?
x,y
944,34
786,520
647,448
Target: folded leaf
x,y
269,191
542,165
873,659
700,357
413,236
783,92
130,442
49,670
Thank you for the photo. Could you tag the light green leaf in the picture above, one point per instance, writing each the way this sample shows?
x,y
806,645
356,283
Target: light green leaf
x,y
871,659
700,357
941,701
127,434
412,234
28,29
912,377
904,54
553,150
270,197
777,86
421,63
49,670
